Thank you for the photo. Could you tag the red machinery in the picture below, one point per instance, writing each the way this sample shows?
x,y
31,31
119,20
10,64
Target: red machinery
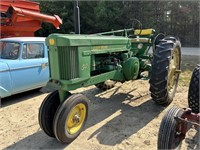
x,y
177,121
23,18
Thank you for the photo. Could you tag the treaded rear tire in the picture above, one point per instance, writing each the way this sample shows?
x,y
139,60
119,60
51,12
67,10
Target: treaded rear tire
x,y
164,55
193,93
168,137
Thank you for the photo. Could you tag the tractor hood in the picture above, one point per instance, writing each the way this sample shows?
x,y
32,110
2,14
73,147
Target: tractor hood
x,y
85,40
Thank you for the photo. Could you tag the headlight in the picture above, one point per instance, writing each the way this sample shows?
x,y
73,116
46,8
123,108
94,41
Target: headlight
x,y
51,41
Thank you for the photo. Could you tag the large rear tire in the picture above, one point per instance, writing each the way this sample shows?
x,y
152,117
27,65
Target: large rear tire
x,y
165,70
169,135
193,94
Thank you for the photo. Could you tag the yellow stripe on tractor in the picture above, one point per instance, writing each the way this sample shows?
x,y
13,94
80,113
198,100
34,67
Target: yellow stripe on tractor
x,y
144,32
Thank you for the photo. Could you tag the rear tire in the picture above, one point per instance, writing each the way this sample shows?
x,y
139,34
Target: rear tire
x,y
193,94
169,135
165,70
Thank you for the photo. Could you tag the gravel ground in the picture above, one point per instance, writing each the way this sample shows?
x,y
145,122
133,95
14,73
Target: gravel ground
x,y
122,118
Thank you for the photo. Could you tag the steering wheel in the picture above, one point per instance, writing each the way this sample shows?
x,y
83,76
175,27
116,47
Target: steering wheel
x,y
139,23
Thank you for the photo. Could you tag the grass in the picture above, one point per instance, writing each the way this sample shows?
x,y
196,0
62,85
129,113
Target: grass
x,y
187,66
184,79
189,62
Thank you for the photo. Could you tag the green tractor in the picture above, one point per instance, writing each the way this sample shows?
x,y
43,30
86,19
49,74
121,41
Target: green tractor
x,y
82,60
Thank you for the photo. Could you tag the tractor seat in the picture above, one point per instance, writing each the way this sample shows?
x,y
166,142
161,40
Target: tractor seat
x,y
144,32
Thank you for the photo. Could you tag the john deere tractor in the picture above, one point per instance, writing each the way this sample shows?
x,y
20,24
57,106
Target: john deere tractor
x,y
82,60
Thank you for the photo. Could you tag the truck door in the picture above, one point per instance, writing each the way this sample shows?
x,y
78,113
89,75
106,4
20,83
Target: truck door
x,y
32,69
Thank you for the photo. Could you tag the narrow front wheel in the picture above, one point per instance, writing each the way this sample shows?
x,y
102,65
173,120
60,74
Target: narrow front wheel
x,y
47,111
70,118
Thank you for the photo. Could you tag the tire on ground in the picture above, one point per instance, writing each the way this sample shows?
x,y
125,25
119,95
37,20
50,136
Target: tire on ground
x,y
165,70
169,135
47,111
193,93
70,118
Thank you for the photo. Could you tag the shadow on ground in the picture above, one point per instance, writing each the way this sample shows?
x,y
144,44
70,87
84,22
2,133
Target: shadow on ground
x,y
130,121
20,97
38,140
133,118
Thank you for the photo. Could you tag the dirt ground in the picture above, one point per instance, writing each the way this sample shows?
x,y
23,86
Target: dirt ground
x,y
122,118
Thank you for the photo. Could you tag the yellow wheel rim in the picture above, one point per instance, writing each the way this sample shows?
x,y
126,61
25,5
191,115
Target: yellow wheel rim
x,y
173,69
76,118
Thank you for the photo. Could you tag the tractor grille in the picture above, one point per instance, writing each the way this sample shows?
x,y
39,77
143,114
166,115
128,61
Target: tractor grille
x,y
68,62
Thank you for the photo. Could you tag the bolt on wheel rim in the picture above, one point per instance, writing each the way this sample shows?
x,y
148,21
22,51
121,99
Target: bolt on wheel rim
x,y
76,118
173,67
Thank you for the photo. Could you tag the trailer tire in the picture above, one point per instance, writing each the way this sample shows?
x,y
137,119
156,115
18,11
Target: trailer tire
x,y
108,84
165,70
70,118
168,136
193,93
47,111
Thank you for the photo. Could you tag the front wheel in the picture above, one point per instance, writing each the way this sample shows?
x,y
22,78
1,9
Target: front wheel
x,y
70,118
169,135
47,111
165,70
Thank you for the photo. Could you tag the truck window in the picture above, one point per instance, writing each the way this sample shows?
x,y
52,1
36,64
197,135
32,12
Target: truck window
x,y
33,50
9,50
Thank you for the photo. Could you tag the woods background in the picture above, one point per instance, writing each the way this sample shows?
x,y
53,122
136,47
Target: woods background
x,y
178,18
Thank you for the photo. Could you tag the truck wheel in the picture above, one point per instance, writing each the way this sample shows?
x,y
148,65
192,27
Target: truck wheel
x,y
193,94
106,85
165,70
169,135
47,111
70,118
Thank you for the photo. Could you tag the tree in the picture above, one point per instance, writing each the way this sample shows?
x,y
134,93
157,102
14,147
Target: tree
x,y
179,18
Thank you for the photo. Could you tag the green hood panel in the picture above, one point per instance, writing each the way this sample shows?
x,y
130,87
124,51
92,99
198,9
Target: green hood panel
x,y
84,40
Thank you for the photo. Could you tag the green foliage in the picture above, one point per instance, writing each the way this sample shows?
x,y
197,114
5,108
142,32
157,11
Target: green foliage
x,y
179,18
